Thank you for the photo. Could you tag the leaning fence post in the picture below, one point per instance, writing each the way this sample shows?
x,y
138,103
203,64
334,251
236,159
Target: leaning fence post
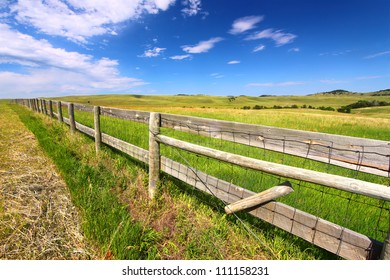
x,y
72,122
154,153
39,105
51,108
59,112
385,255
98,135
44,106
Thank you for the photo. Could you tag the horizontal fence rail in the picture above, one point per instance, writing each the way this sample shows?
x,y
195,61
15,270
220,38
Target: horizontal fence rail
x,y
367,155
363,155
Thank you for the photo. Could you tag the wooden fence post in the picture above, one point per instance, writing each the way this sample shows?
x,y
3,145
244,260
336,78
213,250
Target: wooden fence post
x,y
44,106
72,122
385,255
51,108
59,112
98,134
154,153
38,105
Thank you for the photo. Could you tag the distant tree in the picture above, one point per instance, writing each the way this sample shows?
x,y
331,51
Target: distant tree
x,y
258,107
231,98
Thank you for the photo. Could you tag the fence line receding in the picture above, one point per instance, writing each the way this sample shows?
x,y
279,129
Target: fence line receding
x,y
337,194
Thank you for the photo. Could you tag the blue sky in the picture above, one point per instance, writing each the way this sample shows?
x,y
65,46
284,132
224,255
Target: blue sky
x,y
214,47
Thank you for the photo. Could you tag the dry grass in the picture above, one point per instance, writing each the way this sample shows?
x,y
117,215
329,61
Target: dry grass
x,y
37,217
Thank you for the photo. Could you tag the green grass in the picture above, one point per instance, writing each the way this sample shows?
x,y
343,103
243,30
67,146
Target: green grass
x,y
181,223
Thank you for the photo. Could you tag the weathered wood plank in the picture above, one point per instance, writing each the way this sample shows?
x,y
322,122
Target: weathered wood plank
x,y
366,155
329,180
59,110
154,153
51,109
259,198
83,107
136,116
344,242
85,129
65,103
385,254
71,117
132,150
98,134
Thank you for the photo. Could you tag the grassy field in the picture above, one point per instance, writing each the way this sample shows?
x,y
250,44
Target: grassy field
x,y
366,122
218,102
110,192
355,212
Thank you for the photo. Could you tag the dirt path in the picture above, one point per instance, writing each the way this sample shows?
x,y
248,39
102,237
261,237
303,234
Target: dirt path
x,y
37,217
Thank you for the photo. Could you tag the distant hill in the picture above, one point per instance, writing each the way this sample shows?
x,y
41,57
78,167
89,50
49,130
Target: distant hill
x,y
335,92
383,92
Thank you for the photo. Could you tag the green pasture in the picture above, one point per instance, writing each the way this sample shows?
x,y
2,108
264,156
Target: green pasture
x,y
199,101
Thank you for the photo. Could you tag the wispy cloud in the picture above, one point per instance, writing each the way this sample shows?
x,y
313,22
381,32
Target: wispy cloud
x,y
153,52
181,57
335,53
259,48
278,36
216,75
372,77
203,46
234,62
192,7
333,81
281,84
294,50
377,55
55,69
244,24
79,20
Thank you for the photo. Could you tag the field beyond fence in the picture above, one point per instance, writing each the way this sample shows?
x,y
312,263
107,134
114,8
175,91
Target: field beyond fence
x,y
341,195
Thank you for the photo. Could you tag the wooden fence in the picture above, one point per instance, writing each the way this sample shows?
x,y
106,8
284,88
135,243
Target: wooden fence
x,y
363,155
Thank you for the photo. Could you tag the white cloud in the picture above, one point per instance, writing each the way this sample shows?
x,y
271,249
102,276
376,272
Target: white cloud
x,y
180,57
79,20
234,62
203,46
47,68
193,7
259,48
294,50
377,54
279,37
281,84
244,24
153,52
216,75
